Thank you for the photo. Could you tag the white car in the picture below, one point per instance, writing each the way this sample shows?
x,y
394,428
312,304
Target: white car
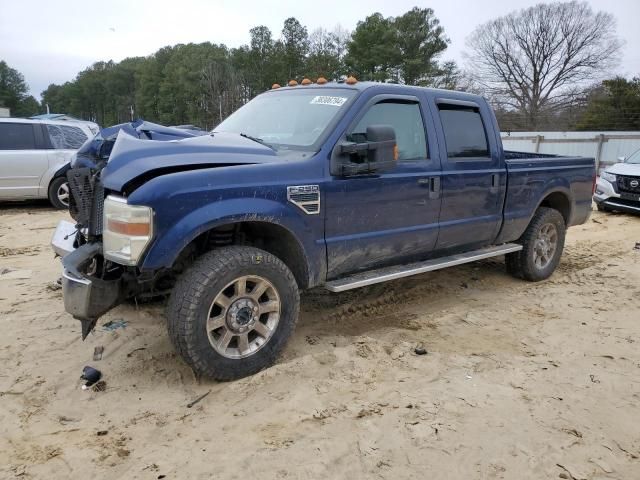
x,y
618,187
34,157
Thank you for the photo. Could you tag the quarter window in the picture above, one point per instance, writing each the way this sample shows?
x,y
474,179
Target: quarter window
x,y
17,136
464,132
406,120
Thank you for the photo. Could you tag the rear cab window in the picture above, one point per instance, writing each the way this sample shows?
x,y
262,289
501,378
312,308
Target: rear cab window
x,y
17,136
464,132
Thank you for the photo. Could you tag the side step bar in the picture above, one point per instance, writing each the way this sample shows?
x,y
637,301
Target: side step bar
x,y
392,273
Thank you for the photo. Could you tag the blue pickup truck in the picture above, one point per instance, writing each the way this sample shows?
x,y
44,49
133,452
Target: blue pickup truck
x,y
339,185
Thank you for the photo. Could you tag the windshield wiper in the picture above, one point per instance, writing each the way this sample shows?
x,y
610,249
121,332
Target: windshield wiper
x,y
258,140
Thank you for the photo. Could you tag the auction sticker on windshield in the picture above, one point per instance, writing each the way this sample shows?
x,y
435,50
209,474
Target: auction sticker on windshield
x,y
328,100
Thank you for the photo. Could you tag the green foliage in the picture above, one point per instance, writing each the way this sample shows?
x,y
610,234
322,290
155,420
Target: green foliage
x,y
403,49
615,105
373,49
13,92
295,43
420,39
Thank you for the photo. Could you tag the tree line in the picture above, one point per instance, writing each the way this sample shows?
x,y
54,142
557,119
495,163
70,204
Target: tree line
x,y
540,67
201,84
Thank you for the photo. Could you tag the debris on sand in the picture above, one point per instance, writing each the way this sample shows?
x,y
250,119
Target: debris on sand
x,y
97,353
90,375
112,325
420,350
191,404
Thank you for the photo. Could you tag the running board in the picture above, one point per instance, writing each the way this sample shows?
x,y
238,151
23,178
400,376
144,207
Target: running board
x,y
392,273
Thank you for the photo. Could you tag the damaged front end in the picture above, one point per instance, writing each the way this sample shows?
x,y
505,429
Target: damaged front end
x,y
95,279
91,284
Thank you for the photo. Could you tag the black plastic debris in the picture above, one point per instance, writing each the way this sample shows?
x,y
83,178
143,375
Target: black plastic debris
x,y
420,350
90,375
637,247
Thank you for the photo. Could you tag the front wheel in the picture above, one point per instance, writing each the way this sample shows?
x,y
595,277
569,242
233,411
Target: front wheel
x,y
232,312
542,245
59,193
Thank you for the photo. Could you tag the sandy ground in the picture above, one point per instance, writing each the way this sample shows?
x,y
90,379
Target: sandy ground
x,y
521,380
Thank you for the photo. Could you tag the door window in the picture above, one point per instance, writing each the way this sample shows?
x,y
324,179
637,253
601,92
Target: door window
x,y
17,136
64,137
406,120
464,132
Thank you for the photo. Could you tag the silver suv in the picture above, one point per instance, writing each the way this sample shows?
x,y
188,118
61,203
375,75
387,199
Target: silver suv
x,y
34,157
618,187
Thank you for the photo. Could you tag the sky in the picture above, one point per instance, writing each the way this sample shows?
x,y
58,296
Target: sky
x,y
50,42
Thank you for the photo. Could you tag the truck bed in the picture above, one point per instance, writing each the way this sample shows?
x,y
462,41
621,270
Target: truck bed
x,y
532,174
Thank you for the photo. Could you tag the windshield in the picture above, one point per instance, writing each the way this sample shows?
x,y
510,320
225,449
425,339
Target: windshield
x,y
634,157
288,119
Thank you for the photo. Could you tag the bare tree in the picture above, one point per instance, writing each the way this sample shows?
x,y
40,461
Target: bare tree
x,y
537,60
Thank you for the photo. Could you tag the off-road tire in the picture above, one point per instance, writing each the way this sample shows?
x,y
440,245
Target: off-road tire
x,y
194,292
521,264
55,184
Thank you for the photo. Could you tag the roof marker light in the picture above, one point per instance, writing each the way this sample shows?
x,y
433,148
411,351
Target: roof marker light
x,y
292,83
321,81
275,85
305,81
351,80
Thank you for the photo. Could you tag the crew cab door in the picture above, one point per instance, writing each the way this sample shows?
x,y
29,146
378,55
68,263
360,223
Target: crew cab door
x,y
385,218
473,174
22,159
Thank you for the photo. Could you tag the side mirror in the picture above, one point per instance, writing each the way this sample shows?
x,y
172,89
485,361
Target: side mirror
x,y
622,159
377,153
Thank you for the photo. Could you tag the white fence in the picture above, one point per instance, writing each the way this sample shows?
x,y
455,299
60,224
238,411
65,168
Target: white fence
x,y
605,147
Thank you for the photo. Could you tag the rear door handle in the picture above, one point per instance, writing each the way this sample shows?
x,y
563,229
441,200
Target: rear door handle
x,y
495,182
434,187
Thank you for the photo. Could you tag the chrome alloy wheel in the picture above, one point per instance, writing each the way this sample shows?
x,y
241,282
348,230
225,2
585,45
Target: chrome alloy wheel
x,y
63,194
545,245
243,316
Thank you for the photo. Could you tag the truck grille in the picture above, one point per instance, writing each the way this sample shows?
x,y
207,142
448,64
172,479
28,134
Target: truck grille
x,y
87,199
81,194
95,224
628,184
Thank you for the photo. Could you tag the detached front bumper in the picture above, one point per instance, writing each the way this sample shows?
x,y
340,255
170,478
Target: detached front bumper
x,y
86,296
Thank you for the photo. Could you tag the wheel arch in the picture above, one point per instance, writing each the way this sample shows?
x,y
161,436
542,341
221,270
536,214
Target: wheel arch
x,y
268,236
559,200
516,220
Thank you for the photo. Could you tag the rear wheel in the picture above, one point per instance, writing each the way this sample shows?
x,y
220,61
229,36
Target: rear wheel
x,y
59,193
231,314
542,245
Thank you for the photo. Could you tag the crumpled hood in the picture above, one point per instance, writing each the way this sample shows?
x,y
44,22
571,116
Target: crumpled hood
x,y
631,169
132,158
